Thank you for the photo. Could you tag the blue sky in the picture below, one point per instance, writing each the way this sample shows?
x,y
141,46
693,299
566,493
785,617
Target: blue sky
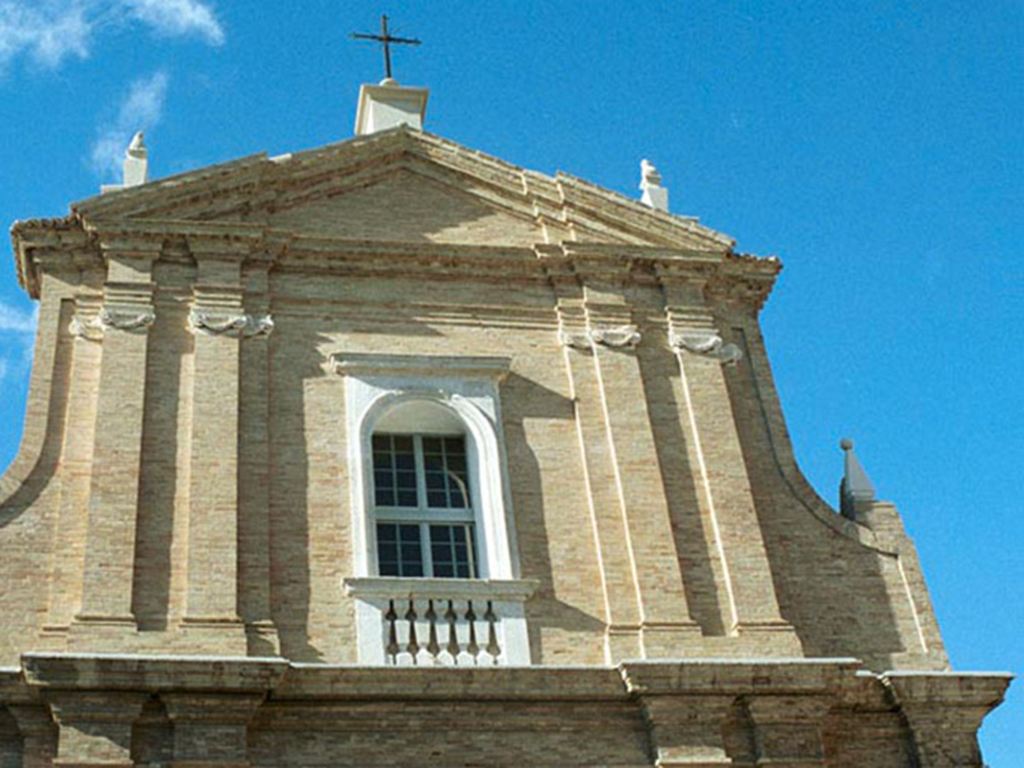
x,y
877,148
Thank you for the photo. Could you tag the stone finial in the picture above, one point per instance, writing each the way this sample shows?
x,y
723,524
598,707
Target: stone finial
x,y
136,162
135,168
856,486
655,195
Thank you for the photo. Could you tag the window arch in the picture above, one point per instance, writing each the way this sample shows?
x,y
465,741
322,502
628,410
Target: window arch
x,y
440,419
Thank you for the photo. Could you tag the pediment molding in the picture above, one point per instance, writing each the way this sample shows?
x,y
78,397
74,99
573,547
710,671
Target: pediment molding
x,y
247,189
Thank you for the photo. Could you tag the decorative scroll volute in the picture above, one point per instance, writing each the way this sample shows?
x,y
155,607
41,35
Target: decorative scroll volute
x,y
227,324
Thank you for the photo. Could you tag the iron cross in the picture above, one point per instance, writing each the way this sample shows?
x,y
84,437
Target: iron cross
x,y
386,39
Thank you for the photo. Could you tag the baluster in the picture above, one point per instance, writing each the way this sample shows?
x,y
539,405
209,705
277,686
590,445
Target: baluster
x,y
493,648
408,647
451,648
424,629
472,647
465,629
391,654
433,647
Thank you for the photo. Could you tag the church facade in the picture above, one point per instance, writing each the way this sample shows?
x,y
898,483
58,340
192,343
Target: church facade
x,y
392,453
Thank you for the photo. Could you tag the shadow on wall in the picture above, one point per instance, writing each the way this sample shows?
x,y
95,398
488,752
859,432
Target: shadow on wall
x,y
523,400
310,510
660,371
10,741
168,364
45,467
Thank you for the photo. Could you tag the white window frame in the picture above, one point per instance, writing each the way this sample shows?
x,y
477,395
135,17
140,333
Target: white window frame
x,y
468,388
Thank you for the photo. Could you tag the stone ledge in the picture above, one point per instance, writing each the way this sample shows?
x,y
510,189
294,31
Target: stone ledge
x,y
383,588
740,676
151,673
532,683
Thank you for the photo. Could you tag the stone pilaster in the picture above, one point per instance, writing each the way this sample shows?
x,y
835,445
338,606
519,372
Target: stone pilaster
x,y
123,326
788,729
210,729
38,734
622,609
218,321
95,727
76,463
665,621
721,475
945,710
686,730
254,475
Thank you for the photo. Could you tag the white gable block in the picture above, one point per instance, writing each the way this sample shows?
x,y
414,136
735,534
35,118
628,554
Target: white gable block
x,y
389,105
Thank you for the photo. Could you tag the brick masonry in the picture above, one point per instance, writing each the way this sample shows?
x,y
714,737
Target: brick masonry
x,y
184,488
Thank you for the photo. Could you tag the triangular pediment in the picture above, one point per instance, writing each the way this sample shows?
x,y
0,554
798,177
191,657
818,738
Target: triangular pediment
x,y
405,206
403,185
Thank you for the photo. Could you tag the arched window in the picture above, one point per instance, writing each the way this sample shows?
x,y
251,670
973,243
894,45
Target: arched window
x,y
424,493
434,553
429,478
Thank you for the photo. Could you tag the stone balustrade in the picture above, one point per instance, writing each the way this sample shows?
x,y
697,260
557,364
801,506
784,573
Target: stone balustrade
x,y
446,622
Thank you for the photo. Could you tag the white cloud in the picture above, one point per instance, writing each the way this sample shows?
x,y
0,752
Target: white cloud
x,y
48,33
178,17
140,111
16,321
17,329
51,31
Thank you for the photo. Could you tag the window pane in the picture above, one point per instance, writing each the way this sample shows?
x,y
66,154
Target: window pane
x,y
399,552
450,549
387,549
411,552
394,476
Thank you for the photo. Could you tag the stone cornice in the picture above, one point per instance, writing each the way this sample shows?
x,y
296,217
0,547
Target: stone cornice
x,y
195,207
249,183
729,277
368,363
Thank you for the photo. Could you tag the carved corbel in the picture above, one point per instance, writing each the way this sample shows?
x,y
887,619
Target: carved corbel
x,y
225,324
129,320
706,343
616,336
90,329
575,339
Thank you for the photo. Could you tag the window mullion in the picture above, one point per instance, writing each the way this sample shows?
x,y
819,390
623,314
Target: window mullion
x,y
428,557
421,474
471,551
421,506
